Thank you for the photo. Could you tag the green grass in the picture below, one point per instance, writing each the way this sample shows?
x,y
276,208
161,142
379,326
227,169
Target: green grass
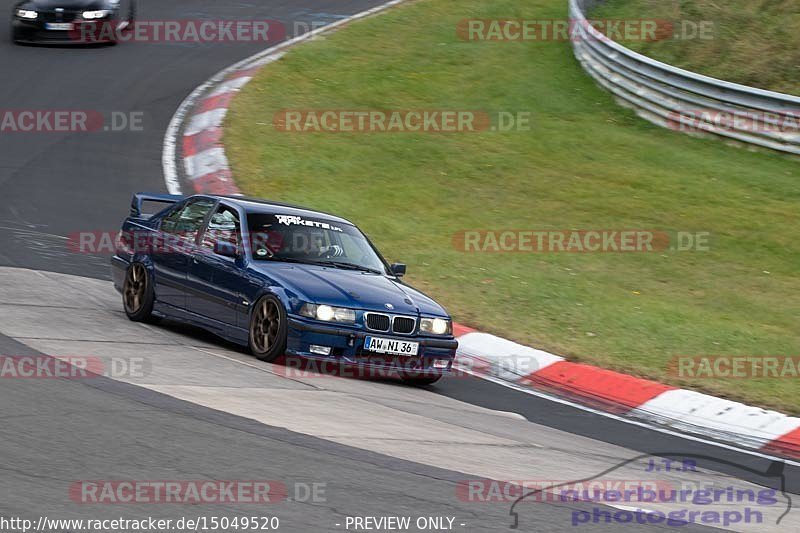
x,y
754,42
586,163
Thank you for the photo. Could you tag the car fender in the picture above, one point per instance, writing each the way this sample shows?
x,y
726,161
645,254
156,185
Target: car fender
x,y
278,291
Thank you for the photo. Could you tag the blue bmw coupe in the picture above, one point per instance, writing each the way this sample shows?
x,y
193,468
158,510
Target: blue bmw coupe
x,y
279,279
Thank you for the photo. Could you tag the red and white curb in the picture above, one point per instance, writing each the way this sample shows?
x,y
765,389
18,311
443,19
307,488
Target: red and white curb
x,y
486,355
205,164
196,130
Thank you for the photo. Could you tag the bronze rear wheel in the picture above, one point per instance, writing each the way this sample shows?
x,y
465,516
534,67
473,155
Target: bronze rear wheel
x,y
137,294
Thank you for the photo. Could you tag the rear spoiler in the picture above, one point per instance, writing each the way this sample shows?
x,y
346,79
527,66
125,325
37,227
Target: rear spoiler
x,y
140,197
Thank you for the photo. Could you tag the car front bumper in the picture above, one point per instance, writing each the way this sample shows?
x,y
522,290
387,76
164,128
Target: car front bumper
x,y
435,355
36,31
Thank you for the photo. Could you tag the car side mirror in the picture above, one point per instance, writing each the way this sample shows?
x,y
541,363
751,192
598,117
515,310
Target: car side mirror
x,y
226,249
398,269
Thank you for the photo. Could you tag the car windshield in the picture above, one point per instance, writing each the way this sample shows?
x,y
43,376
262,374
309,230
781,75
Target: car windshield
x,y
297,239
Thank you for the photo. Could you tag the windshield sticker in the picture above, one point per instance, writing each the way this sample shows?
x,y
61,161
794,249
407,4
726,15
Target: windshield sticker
x,y
292,220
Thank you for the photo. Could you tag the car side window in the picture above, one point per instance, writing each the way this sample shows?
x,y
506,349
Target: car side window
x,y
169,221
187,222
223,230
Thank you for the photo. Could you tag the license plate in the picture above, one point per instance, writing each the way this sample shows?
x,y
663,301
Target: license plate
x,y
58,26
391,346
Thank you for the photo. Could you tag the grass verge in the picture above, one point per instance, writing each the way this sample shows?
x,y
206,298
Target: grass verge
x,y
585,163
754,42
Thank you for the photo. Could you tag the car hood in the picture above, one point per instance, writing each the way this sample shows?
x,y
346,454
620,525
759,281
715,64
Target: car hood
x,y
349,288
49,5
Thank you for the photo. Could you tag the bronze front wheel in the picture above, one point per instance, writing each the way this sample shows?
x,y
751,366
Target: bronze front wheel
x,y
268,329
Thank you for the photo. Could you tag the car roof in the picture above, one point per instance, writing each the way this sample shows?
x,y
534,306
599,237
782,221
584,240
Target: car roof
x,y
258,205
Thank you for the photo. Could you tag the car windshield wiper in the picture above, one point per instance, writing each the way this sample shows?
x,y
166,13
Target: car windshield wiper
x,y
351,266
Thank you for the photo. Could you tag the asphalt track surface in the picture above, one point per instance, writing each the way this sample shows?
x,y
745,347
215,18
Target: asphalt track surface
x,y
55,432
56,184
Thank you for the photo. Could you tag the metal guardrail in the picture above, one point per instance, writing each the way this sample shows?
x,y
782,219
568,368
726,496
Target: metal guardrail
x,y
684,100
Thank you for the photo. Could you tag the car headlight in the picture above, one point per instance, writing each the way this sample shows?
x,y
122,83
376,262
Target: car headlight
x,y
28,14
327,313
437,326
99,14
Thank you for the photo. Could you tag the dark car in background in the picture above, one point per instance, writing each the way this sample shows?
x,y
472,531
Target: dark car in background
x,y
69,21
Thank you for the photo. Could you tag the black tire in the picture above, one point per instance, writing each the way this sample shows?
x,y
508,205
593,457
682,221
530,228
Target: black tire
x,y
138,295
268,329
